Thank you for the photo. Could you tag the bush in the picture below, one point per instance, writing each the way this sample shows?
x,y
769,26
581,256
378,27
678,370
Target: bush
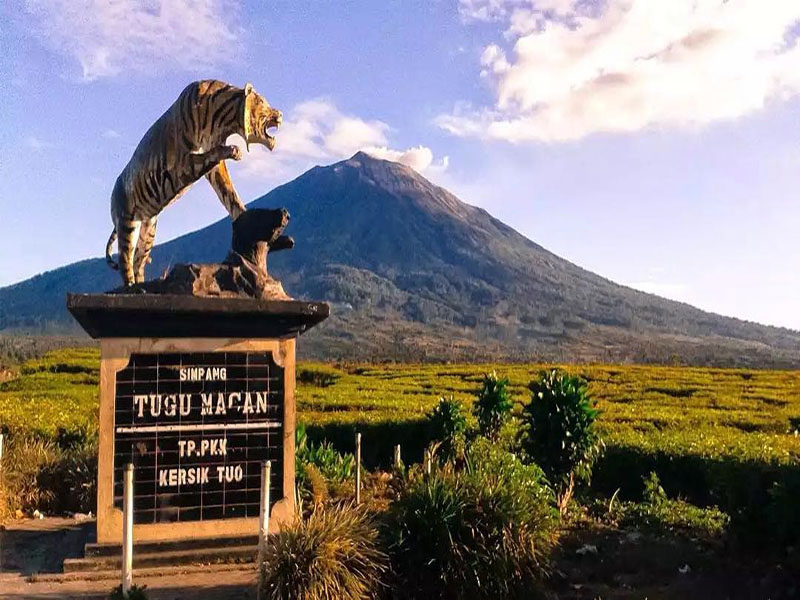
x,y
493,405
135,593
559,433
319,465
481,532
318,375
661,514
332,554
40,475
448,423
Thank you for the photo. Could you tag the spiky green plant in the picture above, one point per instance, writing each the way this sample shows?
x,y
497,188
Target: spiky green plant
x,y
481,531
559,432
493,405
332,554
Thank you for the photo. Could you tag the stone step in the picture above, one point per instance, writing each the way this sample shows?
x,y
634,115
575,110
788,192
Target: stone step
x,y
91,550
160,571
228,554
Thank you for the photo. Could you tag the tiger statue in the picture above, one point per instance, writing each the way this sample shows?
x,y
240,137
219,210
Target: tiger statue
x,y
186,143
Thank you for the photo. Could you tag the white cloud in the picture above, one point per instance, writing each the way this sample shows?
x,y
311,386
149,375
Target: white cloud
x,y
419,158
316,132
574,69
36,143
111,134
108,38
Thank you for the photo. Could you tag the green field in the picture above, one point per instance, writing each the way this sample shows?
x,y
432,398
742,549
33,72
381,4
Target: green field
x,y
715,436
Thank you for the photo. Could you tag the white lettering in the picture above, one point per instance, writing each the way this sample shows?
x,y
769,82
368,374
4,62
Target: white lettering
x,y
261,402
139,400
185,404
155,405
205,400
203,374
170,405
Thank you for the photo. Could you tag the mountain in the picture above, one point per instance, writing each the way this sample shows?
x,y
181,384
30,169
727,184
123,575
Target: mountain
x,y
413,273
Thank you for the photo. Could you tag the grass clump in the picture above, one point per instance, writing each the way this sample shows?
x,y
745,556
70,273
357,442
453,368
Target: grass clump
x,y
482,531
40,474
332,554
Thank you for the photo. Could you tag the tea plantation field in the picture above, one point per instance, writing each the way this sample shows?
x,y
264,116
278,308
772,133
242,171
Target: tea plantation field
x,y
707,432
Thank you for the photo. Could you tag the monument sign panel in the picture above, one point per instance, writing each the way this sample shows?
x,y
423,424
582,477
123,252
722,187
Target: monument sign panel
x,y
197,427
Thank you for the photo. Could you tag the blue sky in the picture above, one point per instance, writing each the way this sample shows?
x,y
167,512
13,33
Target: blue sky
x,y
655,143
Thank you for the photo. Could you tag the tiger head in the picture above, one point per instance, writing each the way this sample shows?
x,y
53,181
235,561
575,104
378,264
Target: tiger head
x,y
259,118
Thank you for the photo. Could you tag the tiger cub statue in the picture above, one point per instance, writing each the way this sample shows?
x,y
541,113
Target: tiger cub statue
x,y
186,143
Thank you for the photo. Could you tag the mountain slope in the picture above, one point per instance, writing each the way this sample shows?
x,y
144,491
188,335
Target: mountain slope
x,y
414,273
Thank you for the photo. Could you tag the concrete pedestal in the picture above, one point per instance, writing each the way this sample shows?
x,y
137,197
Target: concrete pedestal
x,y
196,392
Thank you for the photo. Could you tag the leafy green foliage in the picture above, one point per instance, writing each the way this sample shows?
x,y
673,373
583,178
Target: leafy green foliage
x,y
479,532
653,493
332,554
334,466
660,514
559,432
493,405
318,375
135,593
448,423
42,475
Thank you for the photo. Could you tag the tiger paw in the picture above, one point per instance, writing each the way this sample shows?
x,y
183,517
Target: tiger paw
x,y
235,152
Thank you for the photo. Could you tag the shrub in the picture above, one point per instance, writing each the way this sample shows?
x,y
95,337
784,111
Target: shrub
x,y
135,593
332,465
493,405
661,514
332,554
559,433
448,423
40,475
318,375
653,493
481,532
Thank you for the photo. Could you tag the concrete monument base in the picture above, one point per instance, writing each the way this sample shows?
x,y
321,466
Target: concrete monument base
x,y
196,393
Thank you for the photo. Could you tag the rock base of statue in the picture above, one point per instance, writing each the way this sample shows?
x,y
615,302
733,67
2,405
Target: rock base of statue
x,y
243,273
235,278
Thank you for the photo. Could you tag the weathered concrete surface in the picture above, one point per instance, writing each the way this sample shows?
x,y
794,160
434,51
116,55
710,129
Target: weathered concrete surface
x,y
33,546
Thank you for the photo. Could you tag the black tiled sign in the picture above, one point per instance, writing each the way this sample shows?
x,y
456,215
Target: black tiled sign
x,y
197,427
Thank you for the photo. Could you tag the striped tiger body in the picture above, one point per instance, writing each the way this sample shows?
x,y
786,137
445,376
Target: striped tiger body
x,y
186,143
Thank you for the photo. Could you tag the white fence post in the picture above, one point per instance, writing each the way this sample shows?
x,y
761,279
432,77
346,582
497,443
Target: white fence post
x,y
127,530
427,461
1,447
358,468
397,460
263,522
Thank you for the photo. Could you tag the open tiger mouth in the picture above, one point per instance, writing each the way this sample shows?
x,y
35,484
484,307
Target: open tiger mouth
x,y
269,133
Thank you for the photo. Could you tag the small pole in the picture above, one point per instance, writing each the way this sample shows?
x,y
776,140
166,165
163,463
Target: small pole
x,y
397,460
427,461
263,524
358,468
1,446
127,530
